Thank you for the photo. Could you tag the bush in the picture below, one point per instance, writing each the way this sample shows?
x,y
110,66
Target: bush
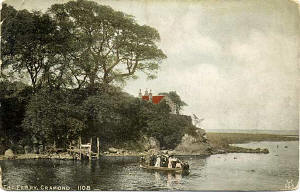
x,y
13,99
112,117
167,128
51,116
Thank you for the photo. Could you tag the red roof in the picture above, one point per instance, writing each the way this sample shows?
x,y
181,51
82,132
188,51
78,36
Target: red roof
x,y
155,99
145,98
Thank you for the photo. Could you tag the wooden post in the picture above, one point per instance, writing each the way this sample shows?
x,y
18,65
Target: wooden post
x,y
98,148
1,187
90,149
79,147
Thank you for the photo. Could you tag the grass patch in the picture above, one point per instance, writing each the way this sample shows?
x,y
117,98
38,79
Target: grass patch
x,y
224,139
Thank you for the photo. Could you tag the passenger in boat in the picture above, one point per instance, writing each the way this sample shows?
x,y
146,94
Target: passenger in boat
x,y
185,166
164,161
178,164
143,160
152,160
172,161
157,163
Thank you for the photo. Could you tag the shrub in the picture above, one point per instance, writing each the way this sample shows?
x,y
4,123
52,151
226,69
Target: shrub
x,y
51,117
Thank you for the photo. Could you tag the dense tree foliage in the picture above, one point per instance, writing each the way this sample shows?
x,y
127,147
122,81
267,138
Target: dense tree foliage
x,y
167,128
30,45
54,117
111,116
110,45
176,99
13,99
69,60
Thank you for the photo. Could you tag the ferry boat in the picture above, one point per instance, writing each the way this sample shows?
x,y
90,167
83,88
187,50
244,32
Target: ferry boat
x,y
149,164
176,170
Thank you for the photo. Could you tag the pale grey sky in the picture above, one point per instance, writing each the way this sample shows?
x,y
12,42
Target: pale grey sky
x,y
235,63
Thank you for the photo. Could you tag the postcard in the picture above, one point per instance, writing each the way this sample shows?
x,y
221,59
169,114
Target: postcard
x,y
149,95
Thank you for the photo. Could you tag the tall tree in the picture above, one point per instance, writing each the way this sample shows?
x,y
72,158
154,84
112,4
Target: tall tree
x,y
176,100
110,45
31,44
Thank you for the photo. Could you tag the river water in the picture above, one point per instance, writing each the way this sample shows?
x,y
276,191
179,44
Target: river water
x,y
277,170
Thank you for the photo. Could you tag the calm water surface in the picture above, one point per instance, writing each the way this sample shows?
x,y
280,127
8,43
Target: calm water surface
x,y
273,171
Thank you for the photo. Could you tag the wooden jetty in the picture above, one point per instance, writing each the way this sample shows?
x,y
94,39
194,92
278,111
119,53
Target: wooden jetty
x,y
85,150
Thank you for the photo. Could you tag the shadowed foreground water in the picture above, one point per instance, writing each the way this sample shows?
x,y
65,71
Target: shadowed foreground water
x,y
274,171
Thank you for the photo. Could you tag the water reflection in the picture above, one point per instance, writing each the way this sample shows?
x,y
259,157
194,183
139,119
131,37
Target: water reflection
x,y
99,175
217,172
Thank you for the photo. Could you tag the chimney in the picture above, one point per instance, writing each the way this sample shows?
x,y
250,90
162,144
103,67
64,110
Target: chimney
x,y
150,96
146,93
140,93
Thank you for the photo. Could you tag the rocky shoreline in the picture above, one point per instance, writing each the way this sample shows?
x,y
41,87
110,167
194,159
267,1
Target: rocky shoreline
x,y
67,156
217,143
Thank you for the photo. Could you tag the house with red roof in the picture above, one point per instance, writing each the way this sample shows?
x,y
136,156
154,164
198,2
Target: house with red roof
x,y
156,99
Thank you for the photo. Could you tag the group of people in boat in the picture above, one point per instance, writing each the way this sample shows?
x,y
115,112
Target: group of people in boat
x,y
164,161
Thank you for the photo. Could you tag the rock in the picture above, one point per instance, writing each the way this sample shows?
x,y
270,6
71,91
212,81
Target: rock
x,y
265,151
2,149
149,143
154,143
34,140
27,149
9,153
19,149
171,152
112,150
164,151
285,146
41,149
221,151
35,149
194,145
153,151
188,139
201,132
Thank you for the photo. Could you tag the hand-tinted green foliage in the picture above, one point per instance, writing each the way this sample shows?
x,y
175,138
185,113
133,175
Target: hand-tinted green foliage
x,y
54,116
117,117
13,100
167,128
156,121
72,55
109,118
176,99
110,45
31,44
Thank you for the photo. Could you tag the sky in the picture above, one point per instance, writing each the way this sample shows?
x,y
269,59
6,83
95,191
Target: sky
x,y
235,63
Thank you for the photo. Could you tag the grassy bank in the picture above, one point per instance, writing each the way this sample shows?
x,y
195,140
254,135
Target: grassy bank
x,y
222,141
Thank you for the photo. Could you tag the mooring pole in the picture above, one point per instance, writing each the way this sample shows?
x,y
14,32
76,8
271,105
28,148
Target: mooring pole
x,y
98,148
1,187
90,149
79,147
